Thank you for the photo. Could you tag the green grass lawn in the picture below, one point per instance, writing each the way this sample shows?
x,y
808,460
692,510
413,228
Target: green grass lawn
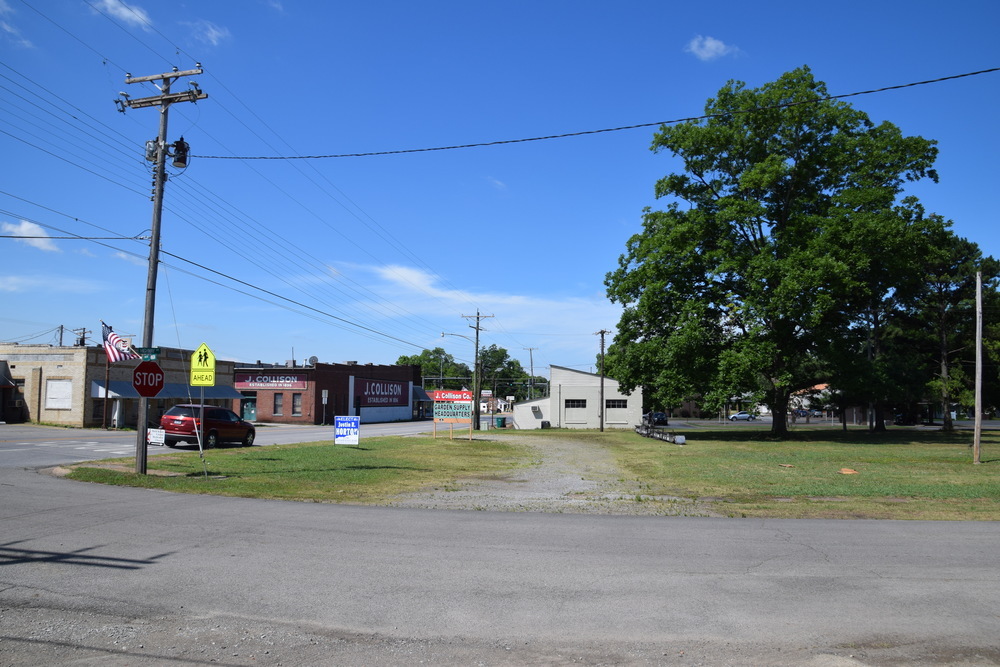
x,y
320,472
902,474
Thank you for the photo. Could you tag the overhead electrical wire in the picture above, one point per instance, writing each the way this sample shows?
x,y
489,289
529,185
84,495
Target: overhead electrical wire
x,y
347,324
589,132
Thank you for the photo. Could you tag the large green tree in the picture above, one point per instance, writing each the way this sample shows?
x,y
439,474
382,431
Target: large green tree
x,y
732,291
501,373
439,369
946,309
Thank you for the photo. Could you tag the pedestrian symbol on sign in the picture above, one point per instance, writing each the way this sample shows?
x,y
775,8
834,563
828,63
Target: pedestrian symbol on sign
x,y
203,367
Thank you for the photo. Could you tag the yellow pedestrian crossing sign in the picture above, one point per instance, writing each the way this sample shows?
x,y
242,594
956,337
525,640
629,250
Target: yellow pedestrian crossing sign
x,y
203,367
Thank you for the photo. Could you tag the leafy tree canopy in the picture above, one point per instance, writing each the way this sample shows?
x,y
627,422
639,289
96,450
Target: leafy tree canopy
x,y
439,368
732,290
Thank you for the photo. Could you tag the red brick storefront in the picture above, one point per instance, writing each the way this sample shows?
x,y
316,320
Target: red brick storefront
x,y
295,394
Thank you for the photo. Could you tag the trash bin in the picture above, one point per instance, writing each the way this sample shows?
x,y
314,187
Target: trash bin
x,y
501,422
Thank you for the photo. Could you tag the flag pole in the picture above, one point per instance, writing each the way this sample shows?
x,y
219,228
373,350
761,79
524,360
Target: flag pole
x,y
107,375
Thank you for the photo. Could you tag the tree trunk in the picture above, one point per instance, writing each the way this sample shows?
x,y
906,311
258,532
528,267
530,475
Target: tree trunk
x,y
945,379
779,413
879,413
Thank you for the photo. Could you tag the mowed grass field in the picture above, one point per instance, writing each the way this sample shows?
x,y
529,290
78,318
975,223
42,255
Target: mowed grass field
x,y
819,472
824,472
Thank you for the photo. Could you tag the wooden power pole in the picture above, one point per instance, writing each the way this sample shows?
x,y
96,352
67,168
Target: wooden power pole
x,y
156,152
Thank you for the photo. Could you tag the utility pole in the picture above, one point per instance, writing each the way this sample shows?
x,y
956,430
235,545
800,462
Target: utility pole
x,y
156,152
476,380
81,339
531,380
978,430
600,407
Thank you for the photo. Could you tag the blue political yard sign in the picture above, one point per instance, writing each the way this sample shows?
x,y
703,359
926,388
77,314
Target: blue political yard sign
x,y
347,430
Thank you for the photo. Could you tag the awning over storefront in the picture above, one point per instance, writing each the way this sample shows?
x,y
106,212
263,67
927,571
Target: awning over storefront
x,y
124,389
420,395
5,380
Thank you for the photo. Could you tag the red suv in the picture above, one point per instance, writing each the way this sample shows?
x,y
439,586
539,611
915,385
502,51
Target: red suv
x,y
181,423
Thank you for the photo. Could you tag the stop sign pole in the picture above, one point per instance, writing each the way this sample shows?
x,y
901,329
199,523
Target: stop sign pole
x,y
147,379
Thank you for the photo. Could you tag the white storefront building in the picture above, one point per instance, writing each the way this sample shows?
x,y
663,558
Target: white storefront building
x,y
574,401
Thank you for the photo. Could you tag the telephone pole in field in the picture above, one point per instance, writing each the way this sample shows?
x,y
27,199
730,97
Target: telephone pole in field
x,y
531,380
476,380
600,406
156,152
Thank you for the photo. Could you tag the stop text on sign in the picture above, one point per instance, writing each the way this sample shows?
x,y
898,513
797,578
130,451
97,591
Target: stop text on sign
x,y
148,379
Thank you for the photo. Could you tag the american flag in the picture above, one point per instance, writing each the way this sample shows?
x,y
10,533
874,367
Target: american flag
x,y
115,346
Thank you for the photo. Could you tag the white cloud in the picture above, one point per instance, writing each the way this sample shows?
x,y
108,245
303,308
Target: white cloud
x,y
709,48
496,183
48,283
132,259
27,230
208,32
571,319
14,35
130,14
8,29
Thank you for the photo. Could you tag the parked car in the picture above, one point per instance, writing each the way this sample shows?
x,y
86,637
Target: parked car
x,y
742,415
181,423
655,419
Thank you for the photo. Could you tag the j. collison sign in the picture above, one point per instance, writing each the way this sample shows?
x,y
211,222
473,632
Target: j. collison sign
x,y
270,381
380,393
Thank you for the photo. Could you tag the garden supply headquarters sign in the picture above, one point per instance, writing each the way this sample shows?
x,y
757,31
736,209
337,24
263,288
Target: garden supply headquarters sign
x,y
203,367
452,406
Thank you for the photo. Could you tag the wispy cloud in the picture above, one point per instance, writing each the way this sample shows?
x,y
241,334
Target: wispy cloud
x,y
49,283
9,30
208,32
34,236
132,259
709,48
567,322
130,14
496,183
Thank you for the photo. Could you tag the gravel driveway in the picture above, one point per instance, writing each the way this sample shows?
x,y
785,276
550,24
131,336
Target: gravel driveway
x,y
570,476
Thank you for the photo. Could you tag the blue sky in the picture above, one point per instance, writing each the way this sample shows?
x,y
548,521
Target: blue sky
x,y
380,254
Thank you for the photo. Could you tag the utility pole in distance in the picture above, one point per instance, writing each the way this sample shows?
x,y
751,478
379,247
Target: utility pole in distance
x,y
476,380
600,406
531,380
156,152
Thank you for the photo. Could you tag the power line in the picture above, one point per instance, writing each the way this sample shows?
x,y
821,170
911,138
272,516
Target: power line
x,y
587,132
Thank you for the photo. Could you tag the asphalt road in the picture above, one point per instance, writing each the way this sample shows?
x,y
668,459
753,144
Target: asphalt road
x,y
119,576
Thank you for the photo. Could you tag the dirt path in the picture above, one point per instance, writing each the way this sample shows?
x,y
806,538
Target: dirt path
x,y
567,476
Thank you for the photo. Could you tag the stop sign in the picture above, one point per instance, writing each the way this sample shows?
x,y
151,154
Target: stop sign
x,y
147,378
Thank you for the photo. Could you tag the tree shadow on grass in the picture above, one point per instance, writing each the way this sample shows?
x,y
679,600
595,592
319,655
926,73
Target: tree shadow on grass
x,y
294,471
839,436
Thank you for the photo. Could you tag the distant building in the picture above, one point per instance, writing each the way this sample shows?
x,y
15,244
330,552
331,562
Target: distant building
x,y
315,393
574,401
75,386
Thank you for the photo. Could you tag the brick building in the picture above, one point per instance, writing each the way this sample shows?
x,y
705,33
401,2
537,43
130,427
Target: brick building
x,y
315,393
